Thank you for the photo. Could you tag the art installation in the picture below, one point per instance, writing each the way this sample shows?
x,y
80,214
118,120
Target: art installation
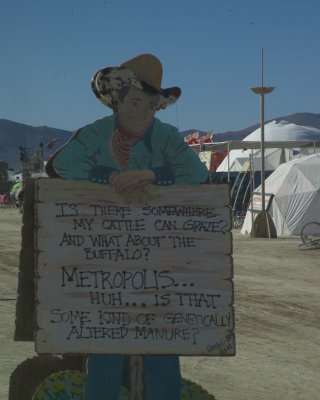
x,y
132,250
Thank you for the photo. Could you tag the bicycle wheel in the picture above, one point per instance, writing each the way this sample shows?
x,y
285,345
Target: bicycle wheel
x,y
310,246
310,233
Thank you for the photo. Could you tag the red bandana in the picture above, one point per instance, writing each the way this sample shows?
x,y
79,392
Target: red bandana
x,y
121,143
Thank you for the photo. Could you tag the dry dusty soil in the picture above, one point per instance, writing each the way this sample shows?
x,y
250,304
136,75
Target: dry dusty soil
x,y
277,308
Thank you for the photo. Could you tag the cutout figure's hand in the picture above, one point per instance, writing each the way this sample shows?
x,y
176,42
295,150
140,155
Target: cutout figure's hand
x,y
131,181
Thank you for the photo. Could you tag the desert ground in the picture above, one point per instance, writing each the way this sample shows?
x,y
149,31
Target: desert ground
x,y
277,309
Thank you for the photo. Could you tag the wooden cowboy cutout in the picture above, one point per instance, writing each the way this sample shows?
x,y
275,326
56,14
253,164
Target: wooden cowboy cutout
x,y
130,150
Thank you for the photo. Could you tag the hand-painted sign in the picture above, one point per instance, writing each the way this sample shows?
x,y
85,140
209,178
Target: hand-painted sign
x,y
147,277
256,201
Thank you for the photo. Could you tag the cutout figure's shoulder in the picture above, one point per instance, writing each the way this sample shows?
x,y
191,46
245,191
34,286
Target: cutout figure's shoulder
x,y
101,126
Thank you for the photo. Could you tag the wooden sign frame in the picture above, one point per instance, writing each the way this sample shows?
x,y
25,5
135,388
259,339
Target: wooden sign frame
x,y
144,276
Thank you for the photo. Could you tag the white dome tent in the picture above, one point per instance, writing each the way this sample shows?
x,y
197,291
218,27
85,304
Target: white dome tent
x,y
295,186
282,131
285,131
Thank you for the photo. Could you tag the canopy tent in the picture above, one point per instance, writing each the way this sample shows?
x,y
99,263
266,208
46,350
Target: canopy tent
x,y
295,186
238,159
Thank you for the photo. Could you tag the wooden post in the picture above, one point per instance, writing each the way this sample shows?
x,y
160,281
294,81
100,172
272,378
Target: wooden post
x,y
136,377
25,306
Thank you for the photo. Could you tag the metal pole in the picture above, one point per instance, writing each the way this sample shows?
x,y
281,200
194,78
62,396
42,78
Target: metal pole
x,y
228,149
252,189
262,137
264,226
262,153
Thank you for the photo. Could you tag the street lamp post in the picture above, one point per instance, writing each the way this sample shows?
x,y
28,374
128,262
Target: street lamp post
x,y
263,225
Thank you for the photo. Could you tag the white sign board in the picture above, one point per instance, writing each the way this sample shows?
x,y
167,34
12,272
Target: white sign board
x,y
123,278
256,201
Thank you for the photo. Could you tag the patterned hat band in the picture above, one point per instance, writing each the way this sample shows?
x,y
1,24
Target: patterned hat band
x,y
108,82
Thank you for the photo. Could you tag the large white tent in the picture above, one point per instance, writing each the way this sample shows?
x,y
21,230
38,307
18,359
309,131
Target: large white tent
x,y
282,131
296,189
285,131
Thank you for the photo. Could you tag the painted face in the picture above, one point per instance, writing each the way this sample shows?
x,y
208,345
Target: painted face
x,y
136,112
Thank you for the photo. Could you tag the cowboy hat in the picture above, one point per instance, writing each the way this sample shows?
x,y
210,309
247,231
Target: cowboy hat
x,y
143,72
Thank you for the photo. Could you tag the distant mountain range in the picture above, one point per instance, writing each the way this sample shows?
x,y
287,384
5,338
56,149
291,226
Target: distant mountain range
x,y
14,135
303,119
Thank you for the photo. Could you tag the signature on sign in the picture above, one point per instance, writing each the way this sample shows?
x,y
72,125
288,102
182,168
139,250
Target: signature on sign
x,y
222,346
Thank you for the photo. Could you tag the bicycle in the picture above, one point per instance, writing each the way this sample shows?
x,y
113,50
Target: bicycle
x,y
310,236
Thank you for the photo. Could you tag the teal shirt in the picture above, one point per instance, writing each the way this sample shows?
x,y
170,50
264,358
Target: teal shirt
x,y
161,149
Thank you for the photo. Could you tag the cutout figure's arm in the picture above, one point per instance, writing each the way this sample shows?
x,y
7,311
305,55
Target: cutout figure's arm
x,y
77,160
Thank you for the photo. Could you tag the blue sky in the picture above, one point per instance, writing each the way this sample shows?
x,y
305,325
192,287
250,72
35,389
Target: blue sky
x,y
210,48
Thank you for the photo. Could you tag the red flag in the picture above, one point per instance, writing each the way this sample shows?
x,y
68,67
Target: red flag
x,y
52,142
